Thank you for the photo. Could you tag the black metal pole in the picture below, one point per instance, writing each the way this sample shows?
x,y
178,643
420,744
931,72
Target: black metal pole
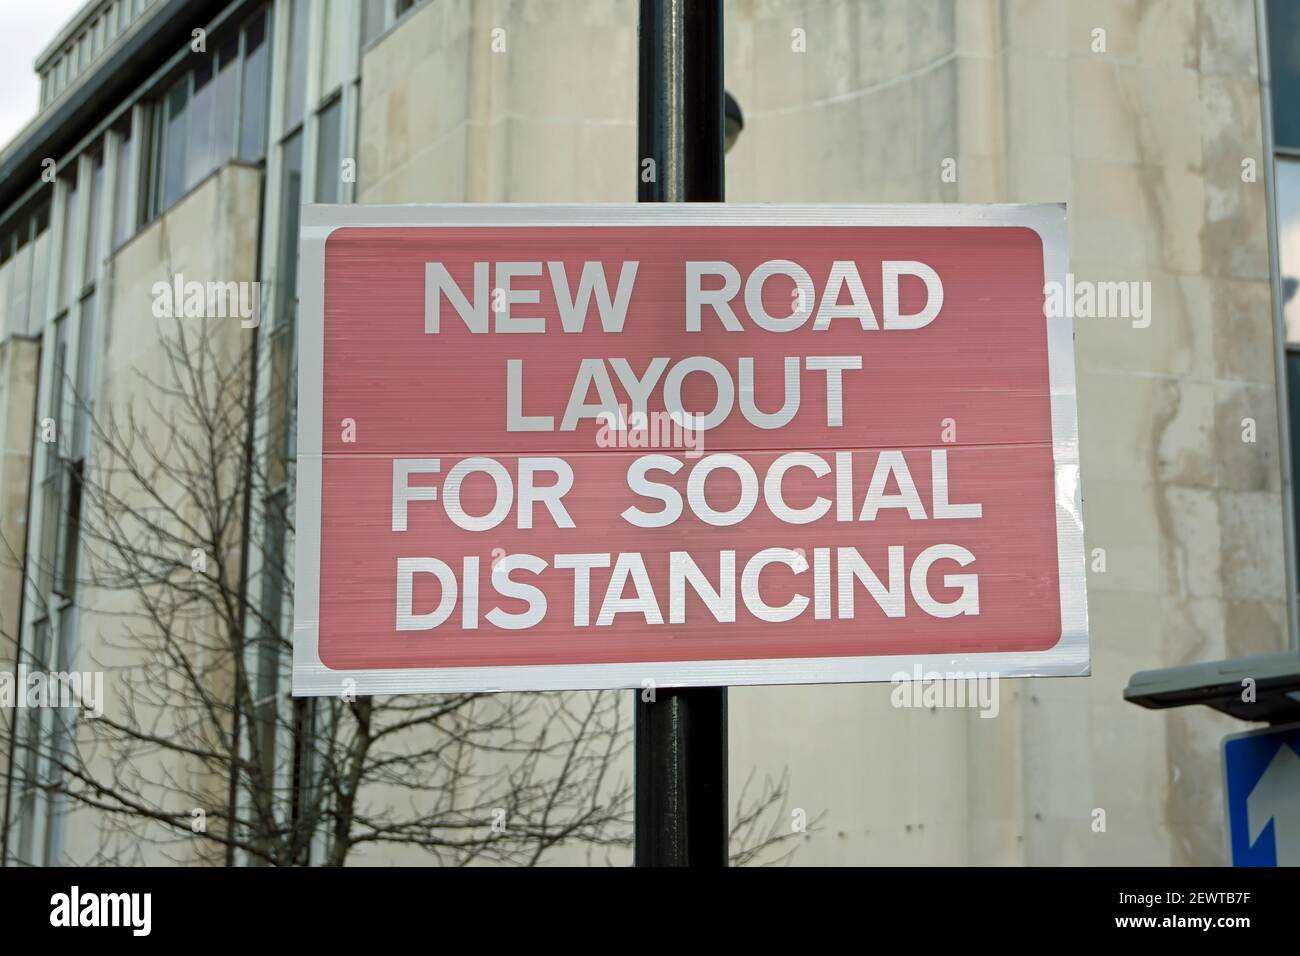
x,y
681,736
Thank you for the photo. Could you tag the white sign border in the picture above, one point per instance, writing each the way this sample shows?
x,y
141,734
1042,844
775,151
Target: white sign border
x,y
1069,657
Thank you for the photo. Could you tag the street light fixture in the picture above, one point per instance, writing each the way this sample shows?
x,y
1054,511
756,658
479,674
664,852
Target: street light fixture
x,y
733,121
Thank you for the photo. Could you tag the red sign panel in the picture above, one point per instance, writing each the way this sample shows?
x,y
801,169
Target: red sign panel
x,y
597,447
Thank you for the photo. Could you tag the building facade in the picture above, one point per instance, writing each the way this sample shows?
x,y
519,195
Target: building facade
x,y
180,137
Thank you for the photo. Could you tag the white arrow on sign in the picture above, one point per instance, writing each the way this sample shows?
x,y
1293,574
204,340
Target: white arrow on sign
x,y
1276,797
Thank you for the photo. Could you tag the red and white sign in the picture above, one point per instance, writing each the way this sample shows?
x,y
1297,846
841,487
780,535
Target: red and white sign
x,y
565,447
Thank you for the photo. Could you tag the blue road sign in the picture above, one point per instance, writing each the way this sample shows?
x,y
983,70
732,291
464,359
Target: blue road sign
x,y
1261,787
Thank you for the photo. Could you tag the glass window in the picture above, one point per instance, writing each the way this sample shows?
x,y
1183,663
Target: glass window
x,y
51,511
65,560
175,120
82,398
198,161
252,119
18,295
268,650
62,723
296,82
94,241
283,401
272,591
123,218
40,269
1288,241
285,319
291,198
31,740
69,533
68,646
328,171
70,242
211,115
372,19
1284,65
225,93
59,374
339,15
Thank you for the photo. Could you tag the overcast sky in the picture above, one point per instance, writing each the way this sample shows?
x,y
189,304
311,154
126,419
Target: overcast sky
x,y
26,28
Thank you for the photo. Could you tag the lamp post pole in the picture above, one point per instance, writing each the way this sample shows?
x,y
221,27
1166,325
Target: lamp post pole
x,y
681,734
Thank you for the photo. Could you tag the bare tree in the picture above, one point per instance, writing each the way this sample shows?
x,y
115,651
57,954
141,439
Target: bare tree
x,y
203,756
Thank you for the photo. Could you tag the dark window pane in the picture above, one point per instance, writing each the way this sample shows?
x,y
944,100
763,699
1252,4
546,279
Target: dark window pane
x,y
252,119
51,510
29,727
286,308
269,638
62,721
1284,64
283,395
70,538
123,218
225,92
175,142
202,107
14,299
82,397
372,19
291,201
295,93
328,172
70,241
94,244
60,374
273,587
40,269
